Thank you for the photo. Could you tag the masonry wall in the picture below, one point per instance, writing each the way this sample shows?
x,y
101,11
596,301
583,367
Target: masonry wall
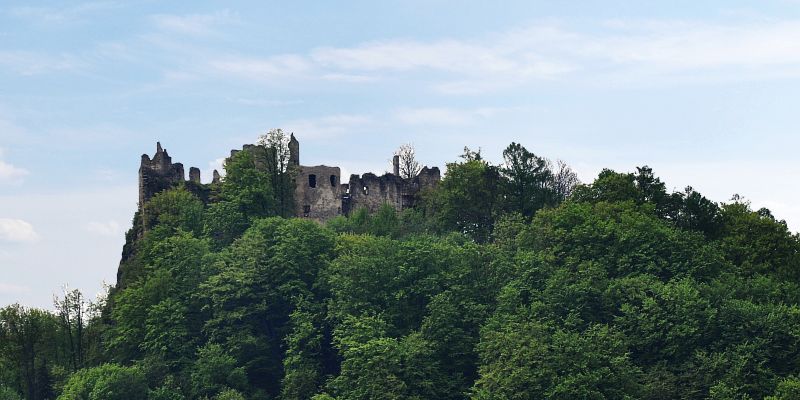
x,y
372,192
318,192
160,173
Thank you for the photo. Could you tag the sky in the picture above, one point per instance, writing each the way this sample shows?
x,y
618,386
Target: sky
x,y
705,93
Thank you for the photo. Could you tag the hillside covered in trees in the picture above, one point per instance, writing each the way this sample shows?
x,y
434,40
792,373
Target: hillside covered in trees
x,y
508,281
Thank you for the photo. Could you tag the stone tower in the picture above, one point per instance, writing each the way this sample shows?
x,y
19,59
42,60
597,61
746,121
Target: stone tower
x,y
157,174
294,152
320,192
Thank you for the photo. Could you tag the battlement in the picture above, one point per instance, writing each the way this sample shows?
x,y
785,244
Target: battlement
x,y
157,174
160,173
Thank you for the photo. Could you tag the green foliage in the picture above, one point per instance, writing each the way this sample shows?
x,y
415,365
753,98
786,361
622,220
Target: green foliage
x,y
528,359
215,371
304,350
496,287
276,156
169,390
787,389
175,209
28,345
387,221
106,382
229,394
758,243
468,199
224,222
248,186
383,367
528,180
6,393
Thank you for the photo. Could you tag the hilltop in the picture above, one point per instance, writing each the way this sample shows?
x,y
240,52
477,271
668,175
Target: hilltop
x,y
509,281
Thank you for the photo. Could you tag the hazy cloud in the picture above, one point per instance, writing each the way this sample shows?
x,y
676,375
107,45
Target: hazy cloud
x,y
216,164
56,15
108,228
28,63
10,173
16,231
194,24
632,49
262,69
433,116
9,289
328,126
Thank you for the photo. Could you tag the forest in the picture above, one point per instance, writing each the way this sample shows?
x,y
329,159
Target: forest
x,y
510,281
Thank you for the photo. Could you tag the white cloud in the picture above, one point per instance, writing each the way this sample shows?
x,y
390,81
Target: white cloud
x,y
9,289
685,46
60,220
446,116
16,231
328,126
194,24
108,228
28,63
53,15
262,69
256,102
608,52
9,173
218,165
433,116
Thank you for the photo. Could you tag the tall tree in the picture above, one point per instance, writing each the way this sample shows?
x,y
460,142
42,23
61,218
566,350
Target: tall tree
x,y
408,164
528,180
276,143
72,312
564,180
468,199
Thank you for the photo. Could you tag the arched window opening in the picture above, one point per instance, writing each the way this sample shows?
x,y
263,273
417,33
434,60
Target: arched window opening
x,y
365,190
333,180
312,180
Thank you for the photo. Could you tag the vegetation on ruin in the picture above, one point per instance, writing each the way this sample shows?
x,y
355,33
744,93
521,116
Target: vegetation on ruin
x,y
508,281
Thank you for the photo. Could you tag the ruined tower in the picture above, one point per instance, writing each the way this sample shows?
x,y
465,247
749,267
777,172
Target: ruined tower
x,y
321,195
294,151
319,191
157,174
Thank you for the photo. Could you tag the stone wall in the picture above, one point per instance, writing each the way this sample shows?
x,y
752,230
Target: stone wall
x,y
159,173
318,192
371,191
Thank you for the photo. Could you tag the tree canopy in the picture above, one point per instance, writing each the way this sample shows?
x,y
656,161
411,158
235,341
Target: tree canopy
x,y
509,281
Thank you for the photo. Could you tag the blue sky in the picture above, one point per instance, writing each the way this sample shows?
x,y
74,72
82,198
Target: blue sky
x,y
704,92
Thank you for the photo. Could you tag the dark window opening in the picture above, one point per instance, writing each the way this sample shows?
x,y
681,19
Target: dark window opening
x,y
365,190
333,180
312,180
306,210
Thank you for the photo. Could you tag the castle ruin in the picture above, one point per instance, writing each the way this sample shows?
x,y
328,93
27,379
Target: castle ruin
x,y
319,191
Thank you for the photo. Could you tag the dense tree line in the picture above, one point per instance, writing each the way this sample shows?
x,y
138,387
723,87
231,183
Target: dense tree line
x,y
507,281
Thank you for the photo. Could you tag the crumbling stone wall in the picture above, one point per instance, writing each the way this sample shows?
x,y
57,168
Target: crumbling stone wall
x,y
371,191
157,174
160,173
319,192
